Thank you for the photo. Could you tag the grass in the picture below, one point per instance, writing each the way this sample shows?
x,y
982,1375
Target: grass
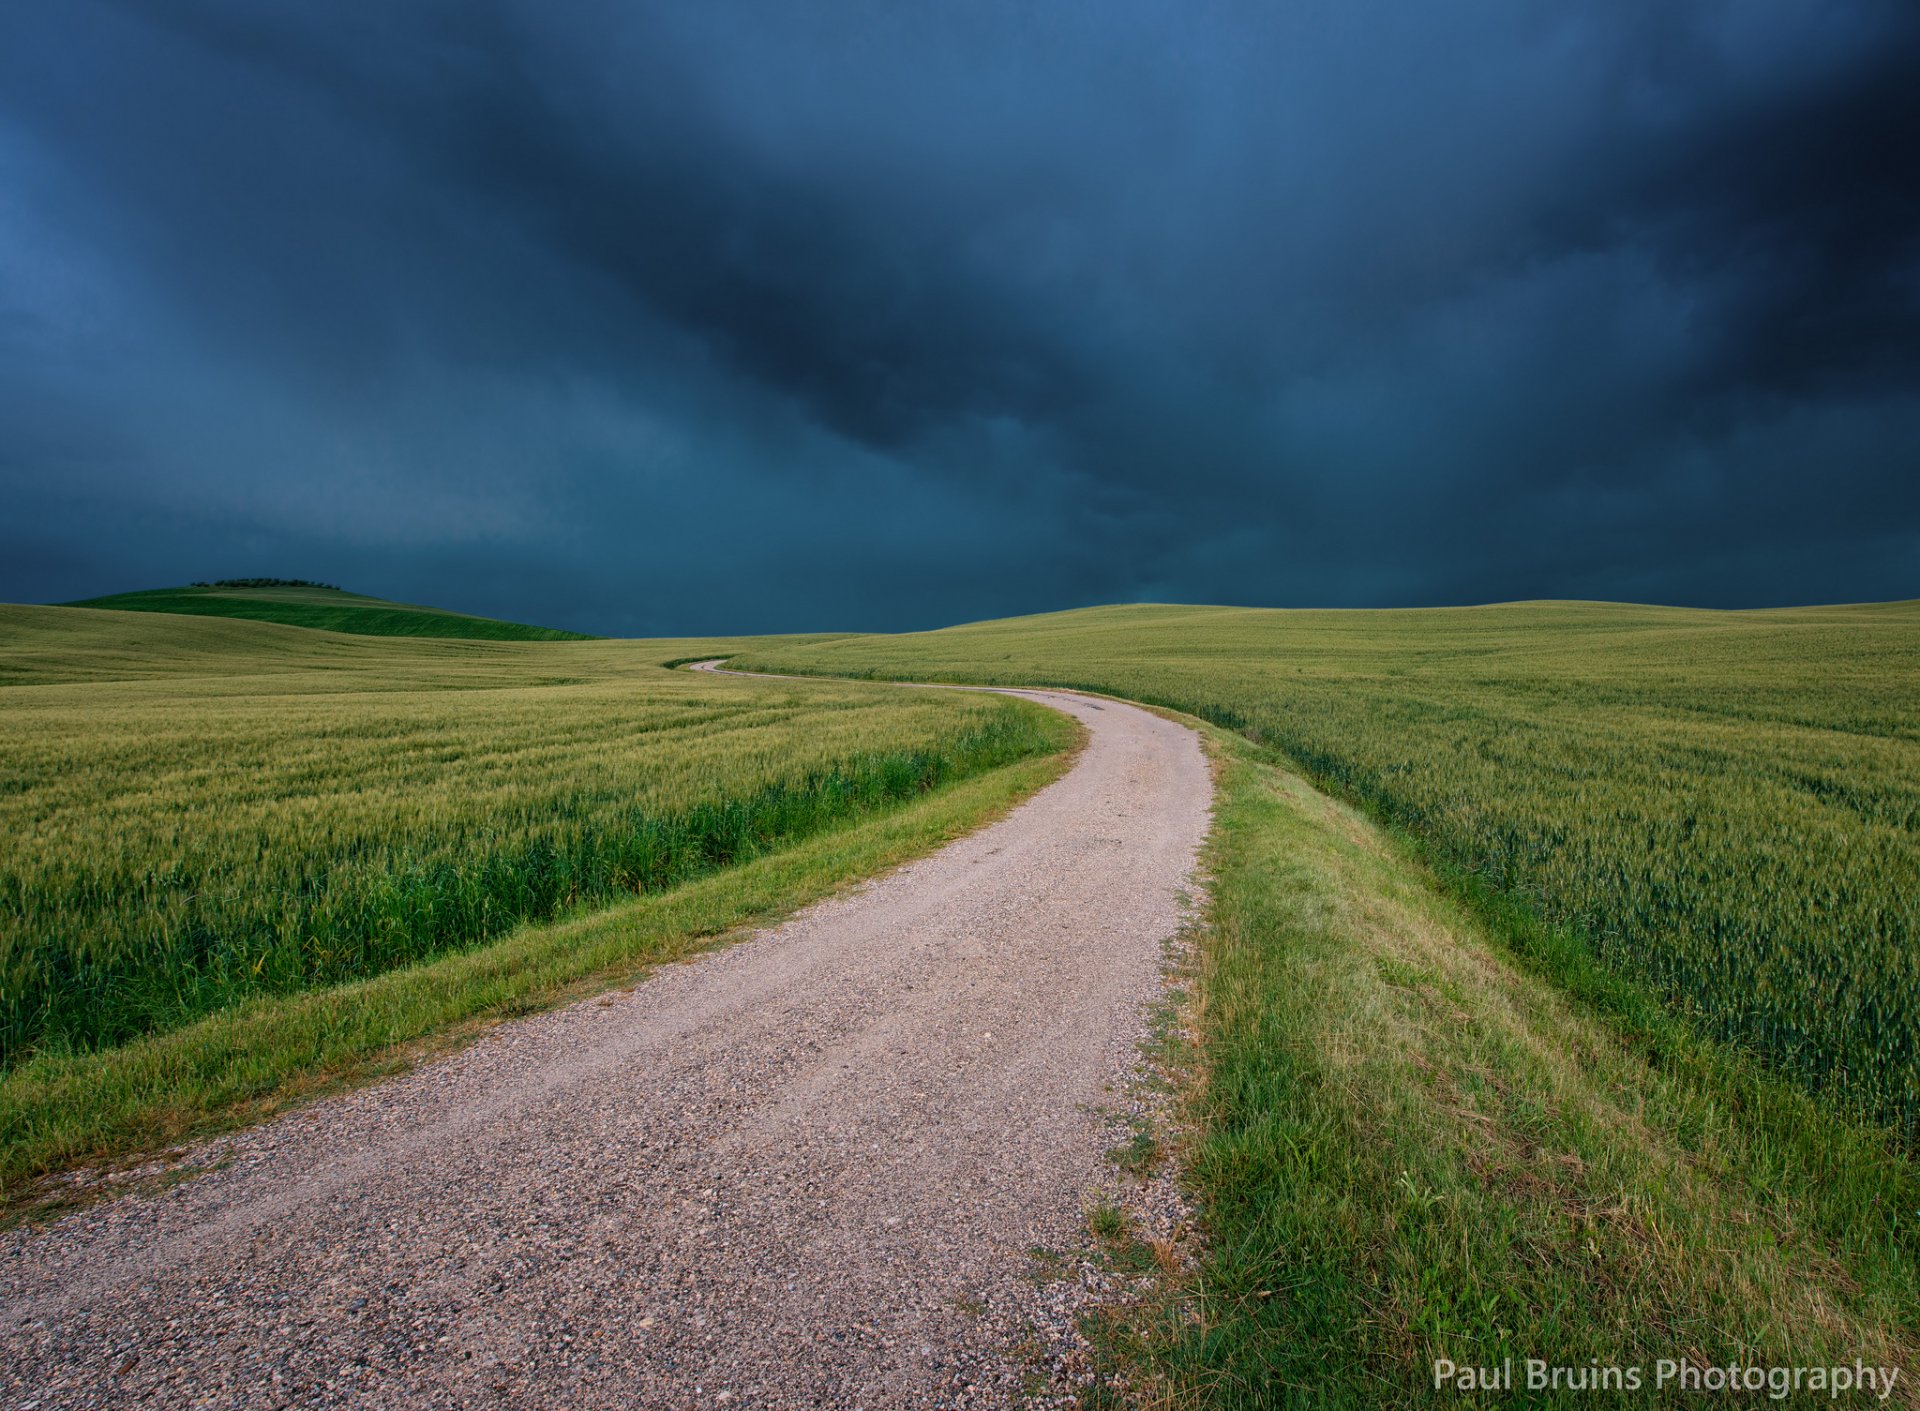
x,y
1474,1074
1445,1103
1411,1145
1724,807
270,1052
324,607
207,813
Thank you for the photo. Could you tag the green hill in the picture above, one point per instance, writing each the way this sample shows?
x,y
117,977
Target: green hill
x,y
315,605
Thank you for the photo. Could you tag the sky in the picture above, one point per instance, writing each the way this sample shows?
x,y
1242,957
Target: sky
x,y
730,316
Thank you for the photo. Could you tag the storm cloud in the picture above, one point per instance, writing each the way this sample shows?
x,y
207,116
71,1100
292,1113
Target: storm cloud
x,y
752,316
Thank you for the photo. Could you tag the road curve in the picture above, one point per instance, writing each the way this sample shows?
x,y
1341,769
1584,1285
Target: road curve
x,y
804,1170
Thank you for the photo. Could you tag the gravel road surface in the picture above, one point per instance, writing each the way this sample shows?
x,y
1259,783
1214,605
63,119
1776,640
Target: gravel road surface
x,y
804,1170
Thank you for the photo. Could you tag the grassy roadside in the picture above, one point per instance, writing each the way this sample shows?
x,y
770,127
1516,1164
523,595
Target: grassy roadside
x,y
1410,1143
263,1056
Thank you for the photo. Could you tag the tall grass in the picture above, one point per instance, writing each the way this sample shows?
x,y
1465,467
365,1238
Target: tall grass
x,y
256,810
1723,806
1407,1147
246,1062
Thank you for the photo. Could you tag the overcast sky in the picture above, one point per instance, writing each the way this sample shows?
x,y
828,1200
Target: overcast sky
x,y
731,316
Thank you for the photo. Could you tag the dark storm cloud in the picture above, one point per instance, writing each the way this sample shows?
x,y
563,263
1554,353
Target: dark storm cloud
x,y
1807,196
656,318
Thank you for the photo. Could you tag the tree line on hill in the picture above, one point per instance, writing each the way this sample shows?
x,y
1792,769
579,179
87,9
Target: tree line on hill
x,y
266,583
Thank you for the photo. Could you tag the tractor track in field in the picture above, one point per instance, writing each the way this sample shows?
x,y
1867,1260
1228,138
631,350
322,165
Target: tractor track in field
x,y
806,1169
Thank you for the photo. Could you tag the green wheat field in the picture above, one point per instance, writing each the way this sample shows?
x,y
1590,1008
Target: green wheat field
x,y
1725,805
202,811
1556,990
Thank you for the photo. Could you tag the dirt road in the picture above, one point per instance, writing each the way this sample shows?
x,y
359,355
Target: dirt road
x,y
805,1170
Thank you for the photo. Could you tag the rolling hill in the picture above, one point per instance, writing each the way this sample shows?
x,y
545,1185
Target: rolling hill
x,y
314,605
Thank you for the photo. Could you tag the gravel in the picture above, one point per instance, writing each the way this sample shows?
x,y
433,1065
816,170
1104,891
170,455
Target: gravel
x,y
805,1170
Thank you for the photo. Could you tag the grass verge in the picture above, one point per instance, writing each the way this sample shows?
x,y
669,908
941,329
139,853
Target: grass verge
x,y
260,1057
1424,1129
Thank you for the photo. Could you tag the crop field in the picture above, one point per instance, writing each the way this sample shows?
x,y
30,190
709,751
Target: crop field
x,y
1724,807
200,810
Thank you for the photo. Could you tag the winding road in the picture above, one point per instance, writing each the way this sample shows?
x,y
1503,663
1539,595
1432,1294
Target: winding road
x,y
803,1170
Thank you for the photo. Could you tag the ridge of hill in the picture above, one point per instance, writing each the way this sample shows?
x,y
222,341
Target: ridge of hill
x,y
298,604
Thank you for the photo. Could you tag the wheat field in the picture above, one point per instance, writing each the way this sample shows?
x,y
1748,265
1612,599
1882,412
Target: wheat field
x,y
1724,806
202,810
